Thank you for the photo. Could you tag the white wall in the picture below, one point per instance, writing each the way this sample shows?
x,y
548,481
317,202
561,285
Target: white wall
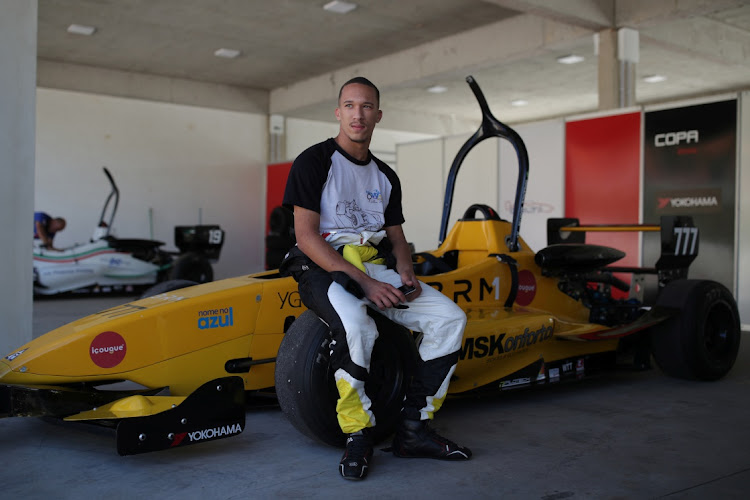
x,y
184,164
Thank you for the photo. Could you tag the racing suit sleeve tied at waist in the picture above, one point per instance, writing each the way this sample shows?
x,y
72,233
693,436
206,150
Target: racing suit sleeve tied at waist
x,y
296,263
357,255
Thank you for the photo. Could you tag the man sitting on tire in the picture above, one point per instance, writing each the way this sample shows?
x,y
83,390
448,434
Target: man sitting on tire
x,y
352,254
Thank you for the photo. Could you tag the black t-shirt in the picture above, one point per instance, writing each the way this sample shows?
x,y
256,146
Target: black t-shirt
x,y
355,199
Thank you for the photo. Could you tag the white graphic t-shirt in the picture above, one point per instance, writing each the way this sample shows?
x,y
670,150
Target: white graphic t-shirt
x,y
355,199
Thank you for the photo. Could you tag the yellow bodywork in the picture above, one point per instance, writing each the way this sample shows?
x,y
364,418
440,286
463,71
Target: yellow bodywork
x,y
184,338
131,406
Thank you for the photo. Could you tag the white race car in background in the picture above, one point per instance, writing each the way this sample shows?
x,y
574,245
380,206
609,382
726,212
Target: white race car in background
x,y
110,264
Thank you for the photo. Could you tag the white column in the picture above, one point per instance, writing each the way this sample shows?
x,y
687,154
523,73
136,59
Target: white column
x,y
618,53
18,25
276,138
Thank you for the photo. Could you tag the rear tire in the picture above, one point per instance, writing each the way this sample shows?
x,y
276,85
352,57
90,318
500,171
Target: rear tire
x,y
305,386
702,341
192,266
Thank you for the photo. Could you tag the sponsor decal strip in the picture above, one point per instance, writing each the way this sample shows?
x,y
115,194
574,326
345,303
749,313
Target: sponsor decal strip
x,y
482,346
124,276
120,310
207,434
73,258
215,318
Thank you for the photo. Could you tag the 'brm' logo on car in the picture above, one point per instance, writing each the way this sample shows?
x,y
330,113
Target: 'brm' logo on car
x,y
215,318
108,349
526,288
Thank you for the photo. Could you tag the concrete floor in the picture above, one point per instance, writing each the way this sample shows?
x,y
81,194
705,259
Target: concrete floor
x,y
623,435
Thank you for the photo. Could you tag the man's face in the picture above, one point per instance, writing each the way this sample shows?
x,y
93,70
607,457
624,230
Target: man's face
x,y
358,112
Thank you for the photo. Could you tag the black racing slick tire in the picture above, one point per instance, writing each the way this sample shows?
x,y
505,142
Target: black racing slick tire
x,y
192,266
166,286
306,389
701,342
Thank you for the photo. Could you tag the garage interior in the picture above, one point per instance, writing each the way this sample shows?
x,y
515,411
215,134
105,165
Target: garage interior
x,y
189,131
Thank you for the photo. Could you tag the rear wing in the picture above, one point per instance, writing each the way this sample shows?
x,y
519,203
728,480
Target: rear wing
x,y
206,240
679,242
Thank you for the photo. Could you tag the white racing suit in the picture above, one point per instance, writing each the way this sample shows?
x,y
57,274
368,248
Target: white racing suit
x,y
338,300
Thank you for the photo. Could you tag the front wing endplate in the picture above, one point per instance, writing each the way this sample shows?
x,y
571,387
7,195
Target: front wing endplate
x,y
213,411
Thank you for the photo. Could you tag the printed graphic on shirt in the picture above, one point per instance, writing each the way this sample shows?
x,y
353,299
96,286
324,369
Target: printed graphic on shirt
x,y
374,196
349,216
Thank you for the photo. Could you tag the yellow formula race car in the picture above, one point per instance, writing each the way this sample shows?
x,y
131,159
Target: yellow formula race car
x,y
177,367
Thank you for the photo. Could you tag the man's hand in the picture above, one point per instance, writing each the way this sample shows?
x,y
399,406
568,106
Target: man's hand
x,y
409,278
382,294
404,266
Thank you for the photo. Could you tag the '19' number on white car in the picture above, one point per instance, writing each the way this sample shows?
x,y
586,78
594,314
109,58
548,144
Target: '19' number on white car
x,y
687,236
214,236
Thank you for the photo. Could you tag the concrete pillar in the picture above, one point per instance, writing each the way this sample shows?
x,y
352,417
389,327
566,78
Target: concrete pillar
x,y
18,25
618,55
276,138
609,70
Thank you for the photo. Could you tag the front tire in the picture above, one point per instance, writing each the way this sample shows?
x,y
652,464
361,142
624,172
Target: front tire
x,y
306,389
192,266
702,341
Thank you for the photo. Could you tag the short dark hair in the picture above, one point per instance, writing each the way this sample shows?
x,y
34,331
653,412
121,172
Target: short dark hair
x,y
362,81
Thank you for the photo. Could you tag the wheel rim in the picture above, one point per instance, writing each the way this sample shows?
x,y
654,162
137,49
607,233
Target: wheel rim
x,y
719,332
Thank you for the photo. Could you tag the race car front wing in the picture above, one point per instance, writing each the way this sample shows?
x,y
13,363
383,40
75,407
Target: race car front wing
x,y
144,421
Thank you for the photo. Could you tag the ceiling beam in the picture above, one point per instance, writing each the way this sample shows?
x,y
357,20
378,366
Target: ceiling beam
x,y
454,56
595,15
95,80
637,13
703,38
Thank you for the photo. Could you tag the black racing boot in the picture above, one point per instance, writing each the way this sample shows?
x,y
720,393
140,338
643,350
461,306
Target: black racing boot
x,y
415,439
356,460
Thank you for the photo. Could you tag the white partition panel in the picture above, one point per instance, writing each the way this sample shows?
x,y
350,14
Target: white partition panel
x,y
420,168
545,142
477,179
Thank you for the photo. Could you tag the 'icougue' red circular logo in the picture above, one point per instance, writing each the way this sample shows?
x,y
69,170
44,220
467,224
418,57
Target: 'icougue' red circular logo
x,y
107,349
526,288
